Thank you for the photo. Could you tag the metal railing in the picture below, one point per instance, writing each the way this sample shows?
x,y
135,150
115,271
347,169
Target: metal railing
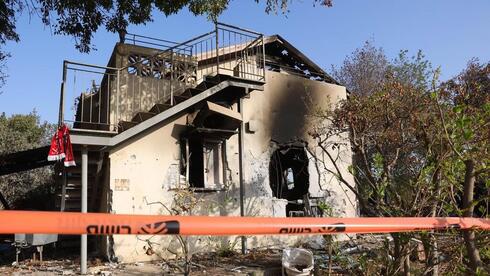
x,y
104,95
240,52
91,88
152,42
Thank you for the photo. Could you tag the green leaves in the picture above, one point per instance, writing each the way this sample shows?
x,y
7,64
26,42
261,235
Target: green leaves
x,y
458,109
467,134
21,132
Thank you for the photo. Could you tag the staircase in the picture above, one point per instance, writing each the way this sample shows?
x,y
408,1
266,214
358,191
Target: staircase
x,y
141,82
96,161
73,185
185,76
169,102
73,191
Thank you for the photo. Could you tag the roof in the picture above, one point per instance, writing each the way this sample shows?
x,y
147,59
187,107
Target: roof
x,y
292,52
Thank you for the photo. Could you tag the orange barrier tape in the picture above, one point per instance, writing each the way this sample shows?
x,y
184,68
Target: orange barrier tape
x,y
104,224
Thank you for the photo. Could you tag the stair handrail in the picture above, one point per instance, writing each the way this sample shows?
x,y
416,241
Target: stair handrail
x,y
160,53
190,49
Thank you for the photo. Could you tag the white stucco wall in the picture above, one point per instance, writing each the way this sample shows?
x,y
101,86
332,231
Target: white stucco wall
x,y
145,169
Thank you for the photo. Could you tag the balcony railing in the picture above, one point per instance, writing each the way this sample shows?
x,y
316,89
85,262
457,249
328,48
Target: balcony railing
x,y
97,98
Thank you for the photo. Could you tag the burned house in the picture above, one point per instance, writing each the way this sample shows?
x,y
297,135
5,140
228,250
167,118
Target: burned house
x,y
218,123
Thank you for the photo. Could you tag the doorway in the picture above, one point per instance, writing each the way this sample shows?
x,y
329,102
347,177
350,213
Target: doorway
x,y
289,177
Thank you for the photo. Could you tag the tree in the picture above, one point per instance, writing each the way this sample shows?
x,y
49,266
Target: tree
x,y
387,121
420,147
363,71
395,139
398,88
7,32
464,111
3,75
22,132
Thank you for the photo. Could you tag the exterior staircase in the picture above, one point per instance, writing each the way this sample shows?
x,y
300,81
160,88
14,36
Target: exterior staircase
x,y
71,190
168,103
146,78
185,76
96,160
73,184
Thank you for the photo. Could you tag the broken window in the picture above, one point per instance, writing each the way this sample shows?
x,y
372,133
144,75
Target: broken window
x,y
213,168
204,167
204,164
289,178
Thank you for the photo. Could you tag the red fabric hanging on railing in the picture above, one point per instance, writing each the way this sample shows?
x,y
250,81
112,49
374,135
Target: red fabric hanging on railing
x,y
61,147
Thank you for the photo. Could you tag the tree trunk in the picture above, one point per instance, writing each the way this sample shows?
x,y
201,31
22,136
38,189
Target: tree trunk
x,y
397,254
469,235
4,202
433,253
330,250
401,255
406,260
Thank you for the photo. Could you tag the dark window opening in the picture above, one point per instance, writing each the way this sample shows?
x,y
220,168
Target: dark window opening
x,y
203,146
205,163
289,178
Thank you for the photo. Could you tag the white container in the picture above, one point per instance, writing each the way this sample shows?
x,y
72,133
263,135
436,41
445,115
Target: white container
x,y
297,261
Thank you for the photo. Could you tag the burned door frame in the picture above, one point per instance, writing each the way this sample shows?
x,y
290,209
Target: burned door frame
x,y
290,157
212,124
193,148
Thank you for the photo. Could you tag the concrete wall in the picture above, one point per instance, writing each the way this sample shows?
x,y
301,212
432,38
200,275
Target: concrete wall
x,y
282,113
139,93
146,169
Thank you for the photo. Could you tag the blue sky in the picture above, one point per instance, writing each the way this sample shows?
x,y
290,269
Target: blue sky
x,y
450,32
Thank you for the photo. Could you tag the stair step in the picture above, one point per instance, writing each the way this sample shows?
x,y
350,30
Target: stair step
x,y
70,202
70,205
178,99
206,85
187,93
74,193
193,91
158,108
78,167
75,189
91,174
142,116
217,78
125,125
78,180
93,158
74,185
